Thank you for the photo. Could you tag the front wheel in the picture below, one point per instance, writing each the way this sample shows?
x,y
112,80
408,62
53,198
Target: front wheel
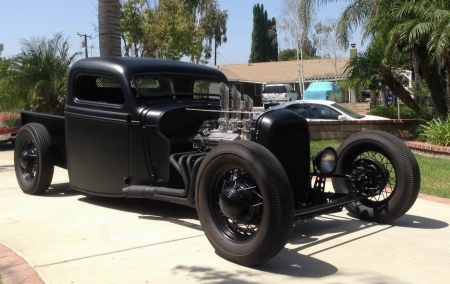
x,y
378,160
33,159
244,202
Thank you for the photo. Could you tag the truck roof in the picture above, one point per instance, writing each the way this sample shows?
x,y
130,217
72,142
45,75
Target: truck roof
x,y
128,66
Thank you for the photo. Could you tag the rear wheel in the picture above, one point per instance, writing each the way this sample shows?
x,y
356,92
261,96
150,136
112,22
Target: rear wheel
x,y
381,161
244,202
33,159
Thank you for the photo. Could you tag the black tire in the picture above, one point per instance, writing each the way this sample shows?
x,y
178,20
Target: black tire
x,y
33,159
255,223
403,175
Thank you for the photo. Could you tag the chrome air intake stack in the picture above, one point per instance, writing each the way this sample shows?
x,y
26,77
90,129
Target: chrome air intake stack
x,y
224,106
234,122
235,117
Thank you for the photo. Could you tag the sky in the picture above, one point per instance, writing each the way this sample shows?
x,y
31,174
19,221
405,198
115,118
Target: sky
x,y
27,19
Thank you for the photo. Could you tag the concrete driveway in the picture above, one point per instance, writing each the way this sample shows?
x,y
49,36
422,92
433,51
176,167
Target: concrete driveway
x,y
68,237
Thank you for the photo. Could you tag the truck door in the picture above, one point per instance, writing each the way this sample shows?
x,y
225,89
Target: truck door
x,y
97,135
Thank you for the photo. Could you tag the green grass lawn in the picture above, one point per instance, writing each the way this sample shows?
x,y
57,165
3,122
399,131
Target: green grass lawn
x,y
435,172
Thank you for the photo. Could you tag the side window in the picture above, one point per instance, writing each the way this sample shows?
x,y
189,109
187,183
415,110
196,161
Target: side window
x,y
99,89
323,112
301,109
329,113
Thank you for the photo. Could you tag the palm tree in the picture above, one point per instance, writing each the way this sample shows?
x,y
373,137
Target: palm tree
x,y
375,65
35,79
419,28
109,27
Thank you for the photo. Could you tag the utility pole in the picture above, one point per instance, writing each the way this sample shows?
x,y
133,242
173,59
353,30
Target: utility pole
x,y
84,43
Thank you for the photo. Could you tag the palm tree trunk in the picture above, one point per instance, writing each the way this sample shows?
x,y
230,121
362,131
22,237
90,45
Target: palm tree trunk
x,y
109,27
433,80
403,94
373,98
383,98
447,73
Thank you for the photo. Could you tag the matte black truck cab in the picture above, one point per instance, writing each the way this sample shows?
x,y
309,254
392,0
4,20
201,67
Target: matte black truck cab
x,y
178,132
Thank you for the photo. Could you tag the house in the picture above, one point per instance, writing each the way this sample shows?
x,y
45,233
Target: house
x,y
251,77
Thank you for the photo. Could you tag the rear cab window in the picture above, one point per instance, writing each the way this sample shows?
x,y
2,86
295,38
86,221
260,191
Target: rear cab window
x,y
99,89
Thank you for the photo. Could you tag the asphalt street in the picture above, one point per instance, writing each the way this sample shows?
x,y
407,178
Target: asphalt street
x,y
68,237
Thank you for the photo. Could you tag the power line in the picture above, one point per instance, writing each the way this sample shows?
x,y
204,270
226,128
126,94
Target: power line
x,y
224,58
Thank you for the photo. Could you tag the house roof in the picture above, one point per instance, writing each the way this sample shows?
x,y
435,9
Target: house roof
x,y
284,71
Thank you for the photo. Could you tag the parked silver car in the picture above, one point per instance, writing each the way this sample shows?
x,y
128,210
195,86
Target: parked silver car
x,y
274,94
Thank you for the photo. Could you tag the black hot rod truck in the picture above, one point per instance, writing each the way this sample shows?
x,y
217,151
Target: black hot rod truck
x,y
178,132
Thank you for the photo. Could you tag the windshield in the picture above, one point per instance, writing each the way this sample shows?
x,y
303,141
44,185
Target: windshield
x,y
274,89
347,111
156,85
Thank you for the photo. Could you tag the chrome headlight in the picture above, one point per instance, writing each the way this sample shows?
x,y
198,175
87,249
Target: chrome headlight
x,y
325,160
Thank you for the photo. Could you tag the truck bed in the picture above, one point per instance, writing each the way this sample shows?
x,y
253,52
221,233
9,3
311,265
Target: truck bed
x,y
55,125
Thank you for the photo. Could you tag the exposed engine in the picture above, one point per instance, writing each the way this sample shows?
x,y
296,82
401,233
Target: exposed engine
x,y
235,122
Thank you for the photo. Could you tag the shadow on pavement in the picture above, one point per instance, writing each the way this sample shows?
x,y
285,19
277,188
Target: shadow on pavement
x,y
146,207
60,190
174,221
6,147
417,222
291,263
287,262
6,168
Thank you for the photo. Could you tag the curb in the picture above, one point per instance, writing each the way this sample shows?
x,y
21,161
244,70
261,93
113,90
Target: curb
x,y
429,149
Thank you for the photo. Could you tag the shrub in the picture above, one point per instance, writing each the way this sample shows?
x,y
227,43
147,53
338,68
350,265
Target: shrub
x,y
392,112
436,132
9,120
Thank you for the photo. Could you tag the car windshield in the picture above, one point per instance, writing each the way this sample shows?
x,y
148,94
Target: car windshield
x,y
274,89
347,111
156,85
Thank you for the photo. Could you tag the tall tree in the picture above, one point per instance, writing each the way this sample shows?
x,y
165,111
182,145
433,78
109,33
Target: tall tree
x,y
326,42
174,31
264,37
173,28
212,26
273,40
132,21
109,27
36,78
296,31
255,52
